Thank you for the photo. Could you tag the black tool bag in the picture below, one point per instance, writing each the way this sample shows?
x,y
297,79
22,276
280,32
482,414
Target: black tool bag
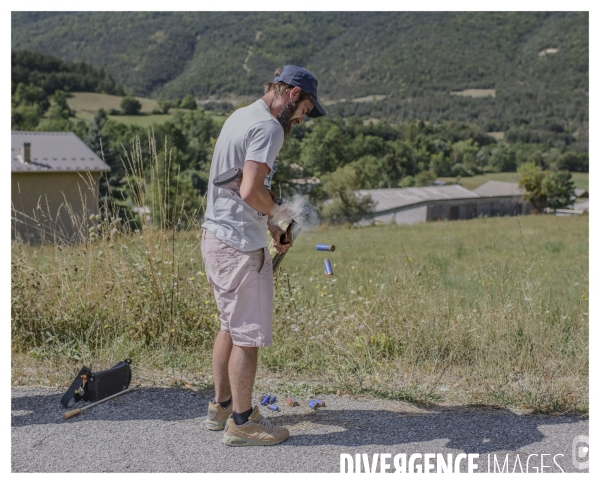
x,y
92,387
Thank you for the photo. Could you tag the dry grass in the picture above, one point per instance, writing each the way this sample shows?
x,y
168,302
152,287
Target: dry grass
x,y
91,102
87,104
475,93
486,311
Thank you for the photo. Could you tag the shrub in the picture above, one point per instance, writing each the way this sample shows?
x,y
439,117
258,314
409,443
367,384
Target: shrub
x,y
425,178
188,102
130,105
164,105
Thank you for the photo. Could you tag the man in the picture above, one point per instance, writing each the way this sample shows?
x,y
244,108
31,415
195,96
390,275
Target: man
x,y
234,249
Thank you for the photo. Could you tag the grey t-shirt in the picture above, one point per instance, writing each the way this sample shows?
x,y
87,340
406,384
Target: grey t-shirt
x,y
250,133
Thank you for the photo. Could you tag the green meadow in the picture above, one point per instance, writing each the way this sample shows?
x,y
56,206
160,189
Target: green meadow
x,y
490,311
86,104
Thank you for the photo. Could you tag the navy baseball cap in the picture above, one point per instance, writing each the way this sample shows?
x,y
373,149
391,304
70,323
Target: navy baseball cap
x,y
300,77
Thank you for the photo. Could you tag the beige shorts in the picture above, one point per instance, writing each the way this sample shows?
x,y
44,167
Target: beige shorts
x,y
243,286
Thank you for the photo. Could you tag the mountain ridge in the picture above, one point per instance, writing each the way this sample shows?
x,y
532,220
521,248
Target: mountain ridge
x,y
415,59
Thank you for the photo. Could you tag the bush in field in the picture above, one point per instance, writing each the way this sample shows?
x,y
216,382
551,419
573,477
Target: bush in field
x,y
188,102
130,105
164,105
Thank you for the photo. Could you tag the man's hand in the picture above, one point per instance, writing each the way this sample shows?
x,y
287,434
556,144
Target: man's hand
x,y
276,234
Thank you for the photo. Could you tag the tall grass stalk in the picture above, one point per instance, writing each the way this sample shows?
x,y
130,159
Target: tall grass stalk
x,y
486,311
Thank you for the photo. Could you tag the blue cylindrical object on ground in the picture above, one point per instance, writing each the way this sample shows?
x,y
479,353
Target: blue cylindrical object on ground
x,y
265,400
330,248
328,269
313,404
275,408
272,399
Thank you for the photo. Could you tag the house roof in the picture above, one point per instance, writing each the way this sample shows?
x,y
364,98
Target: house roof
x,y
498,189
53,152
388,198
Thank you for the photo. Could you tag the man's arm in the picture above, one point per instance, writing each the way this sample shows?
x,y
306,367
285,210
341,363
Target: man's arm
x,y
253,190
255,194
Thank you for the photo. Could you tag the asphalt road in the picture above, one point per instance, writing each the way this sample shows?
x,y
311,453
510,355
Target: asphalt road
x,y
162,430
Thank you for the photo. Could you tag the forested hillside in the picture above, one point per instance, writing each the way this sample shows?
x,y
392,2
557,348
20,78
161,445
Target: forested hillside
x,y
536,63
52,74
40,85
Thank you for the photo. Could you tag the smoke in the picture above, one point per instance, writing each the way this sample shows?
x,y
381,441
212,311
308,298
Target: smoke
x,y
299,209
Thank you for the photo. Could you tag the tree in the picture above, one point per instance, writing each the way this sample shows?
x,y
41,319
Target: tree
x,y
79,127
30,95
546,188
441,164
463,158
425,178
113,188
60,109
325,148
188,102
574,162
408,181
503,158
130,105
532,177
344,203
559,188
24,118
164,105
371,173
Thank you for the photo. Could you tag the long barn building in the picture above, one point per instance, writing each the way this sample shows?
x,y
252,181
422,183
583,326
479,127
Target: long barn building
x,y
404,206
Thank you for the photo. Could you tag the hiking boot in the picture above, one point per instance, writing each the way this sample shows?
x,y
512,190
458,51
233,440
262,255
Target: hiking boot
x,y
256,431
217,416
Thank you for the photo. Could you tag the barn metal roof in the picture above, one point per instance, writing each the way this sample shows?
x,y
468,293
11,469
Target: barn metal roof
x,y
53,152
498,189
388,198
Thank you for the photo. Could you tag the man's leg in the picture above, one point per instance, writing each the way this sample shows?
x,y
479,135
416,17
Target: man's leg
x,y
242,371
220,366
220,410
246,426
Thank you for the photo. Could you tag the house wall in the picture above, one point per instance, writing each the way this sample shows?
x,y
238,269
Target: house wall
x,y
451,210
52,207
411,216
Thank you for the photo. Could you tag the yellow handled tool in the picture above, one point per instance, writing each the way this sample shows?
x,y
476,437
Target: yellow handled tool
x,y
77,411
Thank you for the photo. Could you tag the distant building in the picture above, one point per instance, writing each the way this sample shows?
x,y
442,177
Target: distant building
x,y
499,189
501,199
450,202
54,186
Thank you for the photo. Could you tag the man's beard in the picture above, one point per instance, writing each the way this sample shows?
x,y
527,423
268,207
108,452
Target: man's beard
x,y
285,117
